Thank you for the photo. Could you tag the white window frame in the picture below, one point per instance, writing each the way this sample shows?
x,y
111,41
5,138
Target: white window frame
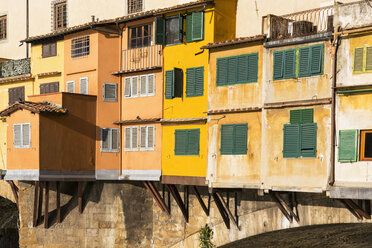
x,y
109,137
131,149
116,93
131,87
147,148
29,141
147,85
69,82
87,85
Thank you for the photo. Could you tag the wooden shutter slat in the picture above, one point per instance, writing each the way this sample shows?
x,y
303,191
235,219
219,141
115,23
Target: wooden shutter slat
x,y
150,137
143,80
304,63
348,146
114,139
316,59
105,138
180,27
289,63
134,86
221,71
190,82
240,139
189,27
128,138
159,31
134,137
232,70
143,136
151,84
295,116
197,26
308,140
127,87
227,139
193,142
358,59
180,142
253,67
242,72
369,58
17,140
278,65
169,85
307,115
109,92
199,81
177,82
291,141
83,85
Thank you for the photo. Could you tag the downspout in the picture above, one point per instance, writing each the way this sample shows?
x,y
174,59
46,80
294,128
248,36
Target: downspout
x,y
120,101
335,44
27,26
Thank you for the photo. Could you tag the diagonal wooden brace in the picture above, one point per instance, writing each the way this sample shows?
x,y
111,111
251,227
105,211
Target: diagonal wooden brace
x,y
155,194
227,209
281,204
176,195
221,209
200,200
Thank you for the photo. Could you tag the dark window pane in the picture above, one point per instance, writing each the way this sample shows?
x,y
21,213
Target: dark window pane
x,y
139,32
146,30
368,146
139,42
171,31
146,41
134,32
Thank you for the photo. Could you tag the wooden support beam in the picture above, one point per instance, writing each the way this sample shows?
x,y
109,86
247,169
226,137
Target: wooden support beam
x,y
155,194
40,208
357,209
221,209
46,210
80,197
285,205
176,195
227,209
200,200
58,186
281,207
36,205
352,211
14,190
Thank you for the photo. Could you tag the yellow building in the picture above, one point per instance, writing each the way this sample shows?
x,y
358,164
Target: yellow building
x,y
183,33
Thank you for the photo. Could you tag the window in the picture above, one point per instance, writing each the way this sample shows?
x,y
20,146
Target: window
x,y
309,60
135,6
186,142
131,139
169,31
140,36
300,135
22,135
131,87
110,92
147,138
80,46
195,26
362,59
109,140
70,86
234,139
84,85
347,146
60,15
16,94
194,81
366,145
3,31
173,83
237,69
49,49
147,85
49,88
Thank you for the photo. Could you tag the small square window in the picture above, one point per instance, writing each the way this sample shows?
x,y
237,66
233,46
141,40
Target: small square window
x,y
60,15
135,6
3,31
22,135
49,49
80,46
366,145
110,92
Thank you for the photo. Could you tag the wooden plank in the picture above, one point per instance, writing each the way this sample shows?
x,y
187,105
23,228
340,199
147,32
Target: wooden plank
x,y
174,192
40,208
58,186
200,200
227,209
14,190
46,210
357,209
36,205
285,205
352,211
155,194
221,209
281,207
80,197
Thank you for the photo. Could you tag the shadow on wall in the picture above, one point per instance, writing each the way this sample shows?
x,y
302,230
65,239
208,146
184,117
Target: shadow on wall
x,y
8,224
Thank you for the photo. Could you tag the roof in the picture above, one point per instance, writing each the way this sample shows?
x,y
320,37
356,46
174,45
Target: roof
x,y
234,110
188,120
122,19
16,78
34,107
138,120
235,41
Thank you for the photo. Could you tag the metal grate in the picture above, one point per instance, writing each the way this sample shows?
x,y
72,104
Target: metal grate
x,y
60,16
2,27
135,6
80,46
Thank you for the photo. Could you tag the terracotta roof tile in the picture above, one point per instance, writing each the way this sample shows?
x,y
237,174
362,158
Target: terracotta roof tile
x,y
201,119
234,110
234,41
47,74
15,78
135,121
34,107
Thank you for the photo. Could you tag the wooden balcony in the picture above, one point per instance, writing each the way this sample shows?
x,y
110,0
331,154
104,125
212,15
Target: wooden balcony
x,y
143,58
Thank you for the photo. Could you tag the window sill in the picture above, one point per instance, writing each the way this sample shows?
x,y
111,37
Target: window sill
x,y
227,84
106,151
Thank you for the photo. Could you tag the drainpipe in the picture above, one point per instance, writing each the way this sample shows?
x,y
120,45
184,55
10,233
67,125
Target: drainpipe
x,y
333,106
27,25
121,100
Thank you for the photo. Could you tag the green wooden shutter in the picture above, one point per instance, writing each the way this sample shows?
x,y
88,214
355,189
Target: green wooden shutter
x,y
177,82
358,59
180,137
193,142
304,63
189,27
291,141
240,139
197,26
242,70
169,84
180,27
221,71
347,147
278,65
316,60
289,63
308,140
159,31
199,81
252,67
232,70
295,116
369,58
227,139
190,82
307,115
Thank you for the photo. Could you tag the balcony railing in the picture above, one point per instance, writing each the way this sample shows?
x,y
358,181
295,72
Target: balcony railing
x,y
15,67
142,58
299,24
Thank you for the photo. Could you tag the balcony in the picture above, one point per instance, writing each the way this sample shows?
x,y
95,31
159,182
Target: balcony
x,y
298,24
13,68
142,58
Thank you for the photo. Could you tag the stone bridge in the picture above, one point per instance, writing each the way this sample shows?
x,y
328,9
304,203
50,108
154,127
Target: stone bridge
x,y
126,215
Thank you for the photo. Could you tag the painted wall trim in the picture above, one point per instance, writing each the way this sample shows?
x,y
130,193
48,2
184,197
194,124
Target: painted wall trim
x,y
141,175
22,175
350,193
47,175
185,180
299,40
107,174
274,105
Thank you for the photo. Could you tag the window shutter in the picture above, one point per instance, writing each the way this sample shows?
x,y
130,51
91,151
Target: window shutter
x,y
143,79
151,84
169,84
189,27
227,139
358,59
21,95
199,81
180,142
17,140
134,86
304,63
45,50
127,87
178,82
151,137
105,139
290,63
190,82
54,87
232,70
197,26
240,139
84,85
42,89
308,140
11,96
295,116
143,136
369,59
316,59
291,141
242,71
70,86
26,135
221,71
127,138
53,49
159,31
109,92
180,27
253,67
278,65
134,137
348,145
307,115
193,142
115,139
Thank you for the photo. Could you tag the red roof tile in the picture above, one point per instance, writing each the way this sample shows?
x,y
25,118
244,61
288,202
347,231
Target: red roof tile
x,y
34,107
234,41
